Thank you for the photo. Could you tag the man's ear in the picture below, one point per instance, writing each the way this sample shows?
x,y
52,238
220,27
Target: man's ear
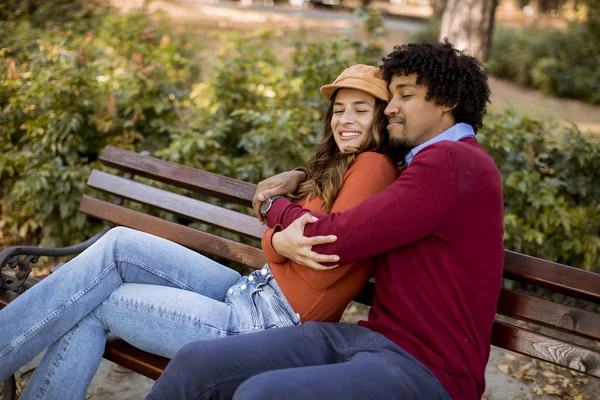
x,y
448,108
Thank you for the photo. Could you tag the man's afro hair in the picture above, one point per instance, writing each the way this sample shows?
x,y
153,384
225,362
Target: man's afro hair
x,y
453,78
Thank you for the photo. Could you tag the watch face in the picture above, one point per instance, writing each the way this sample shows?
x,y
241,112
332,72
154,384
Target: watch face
x,y
264,207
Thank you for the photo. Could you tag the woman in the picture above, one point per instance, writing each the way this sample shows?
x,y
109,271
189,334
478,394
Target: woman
x,y
159,296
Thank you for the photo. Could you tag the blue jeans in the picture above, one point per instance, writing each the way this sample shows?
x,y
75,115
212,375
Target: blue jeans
x,y
317,361
155,294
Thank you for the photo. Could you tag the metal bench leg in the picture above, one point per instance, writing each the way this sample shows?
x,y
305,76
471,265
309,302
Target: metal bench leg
x,y
8,390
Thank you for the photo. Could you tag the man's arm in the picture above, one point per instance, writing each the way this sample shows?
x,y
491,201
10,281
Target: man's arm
x,y
280,184
405,212
370,174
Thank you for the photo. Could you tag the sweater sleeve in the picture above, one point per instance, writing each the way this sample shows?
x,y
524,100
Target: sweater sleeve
x,y
407,211
370,174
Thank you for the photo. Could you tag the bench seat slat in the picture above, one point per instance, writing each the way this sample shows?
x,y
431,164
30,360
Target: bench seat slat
x,y
186,236
545,348
124,354
571,319
178,175
172,202
562,278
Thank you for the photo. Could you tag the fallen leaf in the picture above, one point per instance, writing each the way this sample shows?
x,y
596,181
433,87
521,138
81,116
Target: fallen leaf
x,y
549,389
549,374
504,368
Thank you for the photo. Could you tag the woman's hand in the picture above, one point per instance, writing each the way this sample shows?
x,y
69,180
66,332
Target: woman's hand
x,y
292,244
280,184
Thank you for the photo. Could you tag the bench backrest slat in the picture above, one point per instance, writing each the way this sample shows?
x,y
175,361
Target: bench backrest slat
x,y
186,236
534,309
176,203
178,175
545,348
6,296
562,278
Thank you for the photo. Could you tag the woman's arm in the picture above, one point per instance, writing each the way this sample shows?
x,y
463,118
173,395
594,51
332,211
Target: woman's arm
x,y
368,175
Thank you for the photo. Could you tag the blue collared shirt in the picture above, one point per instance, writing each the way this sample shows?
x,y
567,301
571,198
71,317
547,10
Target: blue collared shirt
x,y
455,133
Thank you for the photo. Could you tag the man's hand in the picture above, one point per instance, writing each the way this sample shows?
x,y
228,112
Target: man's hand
x,y
280,184
292,244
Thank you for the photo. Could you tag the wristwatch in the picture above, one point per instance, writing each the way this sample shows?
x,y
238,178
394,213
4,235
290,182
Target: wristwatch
x,y
267,204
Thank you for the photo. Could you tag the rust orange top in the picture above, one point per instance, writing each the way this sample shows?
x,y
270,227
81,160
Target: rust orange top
x,y
323,295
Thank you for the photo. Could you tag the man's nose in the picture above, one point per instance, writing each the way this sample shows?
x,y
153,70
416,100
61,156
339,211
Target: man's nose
x,y
391,109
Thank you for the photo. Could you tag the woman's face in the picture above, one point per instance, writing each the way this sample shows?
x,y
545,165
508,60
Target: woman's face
x,y
353,115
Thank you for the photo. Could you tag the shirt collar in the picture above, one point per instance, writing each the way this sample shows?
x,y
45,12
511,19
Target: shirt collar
x,y
455,133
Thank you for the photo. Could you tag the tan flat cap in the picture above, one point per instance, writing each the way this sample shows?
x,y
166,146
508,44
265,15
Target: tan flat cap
x,y
362,77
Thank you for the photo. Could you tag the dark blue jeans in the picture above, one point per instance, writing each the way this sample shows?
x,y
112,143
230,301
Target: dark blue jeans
x,y
312,361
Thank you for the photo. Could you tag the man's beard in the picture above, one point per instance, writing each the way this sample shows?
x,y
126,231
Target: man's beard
x,y
398,147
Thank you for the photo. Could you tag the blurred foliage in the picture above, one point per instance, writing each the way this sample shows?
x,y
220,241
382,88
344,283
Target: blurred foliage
x,y
428,32
75,78
551,188
130,81
563,63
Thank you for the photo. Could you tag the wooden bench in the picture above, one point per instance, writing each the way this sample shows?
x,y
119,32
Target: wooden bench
x,y
572,324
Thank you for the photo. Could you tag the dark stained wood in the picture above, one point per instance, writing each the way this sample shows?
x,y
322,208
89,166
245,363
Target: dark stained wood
x,y
179,175
188,237
195,209
572,281
6,297
546,348
571,319
124,354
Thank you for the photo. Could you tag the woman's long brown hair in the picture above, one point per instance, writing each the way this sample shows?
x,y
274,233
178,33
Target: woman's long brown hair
x,y
329,164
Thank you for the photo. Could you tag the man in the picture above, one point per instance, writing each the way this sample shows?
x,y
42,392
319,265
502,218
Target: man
x,y
439,232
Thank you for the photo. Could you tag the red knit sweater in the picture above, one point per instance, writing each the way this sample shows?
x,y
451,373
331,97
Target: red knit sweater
x,y
440,227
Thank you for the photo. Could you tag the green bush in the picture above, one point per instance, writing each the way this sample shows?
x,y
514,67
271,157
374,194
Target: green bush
x,y
68,87
551,188
561,63
429,32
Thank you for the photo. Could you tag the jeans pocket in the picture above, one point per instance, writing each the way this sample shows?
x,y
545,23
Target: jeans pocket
x,y
266,313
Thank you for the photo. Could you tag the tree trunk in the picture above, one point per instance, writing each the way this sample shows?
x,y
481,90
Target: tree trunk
x,y
469,24
438,6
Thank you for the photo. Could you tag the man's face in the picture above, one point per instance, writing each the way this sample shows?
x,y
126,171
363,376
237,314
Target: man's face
x,y
412,119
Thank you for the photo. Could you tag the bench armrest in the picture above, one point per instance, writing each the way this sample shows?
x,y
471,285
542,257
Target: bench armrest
x,y
19,257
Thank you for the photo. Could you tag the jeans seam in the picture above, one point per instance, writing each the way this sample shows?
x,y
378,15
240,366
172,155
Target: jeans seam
x,y
137,304
45,382
54,314
156,272
355,345
213,385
